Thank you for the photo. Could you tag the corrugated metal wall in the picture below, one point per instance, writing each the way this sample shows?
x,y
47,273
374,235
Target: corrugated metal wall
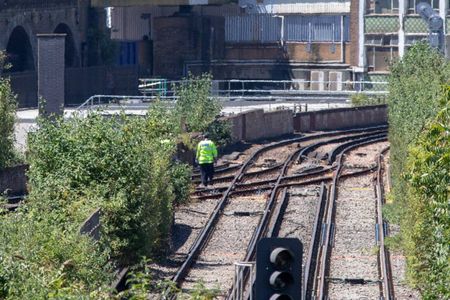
x,y
315,28
252,28
297,28
298,7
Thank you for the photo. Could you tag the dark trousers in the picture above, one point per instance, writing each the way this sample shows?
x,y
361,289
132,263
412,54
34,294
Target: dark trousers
x,y
207,171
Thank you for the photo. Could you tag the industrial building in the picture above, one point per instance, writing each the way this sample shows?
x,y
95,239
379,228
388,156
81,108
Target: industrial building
x,y
325,40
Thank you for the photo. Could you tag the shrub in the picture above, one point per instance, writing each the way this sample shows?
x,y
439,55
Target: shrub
x,y
195,107
113,163
8,105
414,92
428,231
41,260
419,166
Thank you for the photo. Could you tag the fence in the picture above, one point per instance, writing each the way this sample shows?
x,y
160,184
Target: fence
x,y
248,90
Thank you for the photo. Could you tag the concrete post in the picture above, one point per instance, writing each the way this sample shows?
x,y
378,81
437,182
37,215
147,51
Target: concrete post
x,y
51,48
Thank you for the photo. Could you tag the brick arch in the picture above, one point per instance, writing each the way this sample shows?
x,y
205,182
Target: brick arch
x,y
71,54
19,50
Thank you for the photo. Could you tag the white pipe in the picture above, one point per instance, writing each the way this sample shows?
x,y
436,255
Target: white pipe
x,y
401,31
361,47
342,40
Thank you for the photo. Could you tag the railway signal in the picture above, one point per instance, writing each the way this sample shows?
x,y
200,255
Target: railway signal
x,y
278,269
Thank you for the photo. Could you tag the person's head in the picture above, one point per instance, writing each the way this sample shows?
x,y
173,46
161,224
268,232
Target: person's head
x,y
206,136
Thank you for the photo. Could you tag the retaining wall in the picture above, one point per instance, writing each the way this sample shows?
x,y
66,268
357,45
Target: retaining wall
x,y
257,124
340,118
14,180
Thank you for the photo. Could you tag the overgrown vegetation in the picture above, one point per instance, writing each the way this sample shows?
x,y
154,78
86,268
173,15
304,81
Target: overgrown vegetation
x,y
124,165
8,105
415,88
429,180
420,164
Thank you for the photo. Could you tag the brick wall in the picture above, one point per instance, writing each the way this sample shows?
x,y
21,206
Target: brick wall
x,y
354,32
51,49
320,52
176,39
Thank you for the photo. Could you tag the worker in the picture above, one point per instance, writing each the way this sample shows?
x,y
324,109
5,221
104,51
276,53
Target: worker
x,y
206,158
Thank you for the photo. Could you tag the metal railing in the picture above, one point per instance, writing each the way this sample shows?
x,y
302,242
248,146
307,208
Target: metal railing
x,y
247,90
239,292
228,88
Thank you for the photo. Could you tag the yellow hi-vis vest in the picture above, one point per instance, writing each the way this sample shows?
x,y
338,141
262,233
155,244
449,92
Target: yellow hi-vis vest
x,y
206,152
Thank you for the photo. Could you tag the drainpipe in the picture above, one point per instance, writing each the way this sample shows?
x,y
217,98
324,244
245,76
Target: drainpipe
x,y
401,31
361,68
342,40
443,7
361,37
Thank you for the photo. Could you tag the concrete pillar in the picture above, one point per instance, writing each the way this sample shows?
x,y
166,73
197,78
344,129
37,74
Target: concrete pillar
x,y
51,73
402,6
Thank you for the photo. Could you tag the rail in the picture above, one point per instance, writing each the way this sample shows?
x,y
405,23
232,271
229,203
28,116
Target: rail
x,y
327,231
384,261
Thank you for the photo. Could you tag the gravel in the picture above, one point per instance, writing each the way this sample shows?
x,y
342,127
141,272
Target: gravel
x,y
228,244
298,220
354,251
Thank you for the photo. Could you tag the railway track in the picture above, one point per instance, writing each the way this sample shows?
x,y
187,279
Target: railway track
x,y
348,252
243,214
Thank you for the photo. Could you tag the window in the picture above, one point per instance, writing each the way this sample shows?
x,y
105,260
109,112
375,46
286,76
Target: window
x,y
382,6
380,58
412,39
413,3
381,40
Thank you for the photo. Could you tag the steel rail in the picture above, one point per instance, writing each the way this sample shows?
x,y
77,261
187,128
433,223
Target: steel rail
x,y
202,238
303,151
313,252
329,215
248,174
383,254
208,229
261,229
219,169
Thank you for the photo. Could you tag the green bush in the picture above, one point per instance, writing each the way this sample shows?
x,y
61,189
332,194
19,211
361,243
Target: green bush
x,y
196,109
114,163
420,166
428,231
220,132
415,88
42,260
8,105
